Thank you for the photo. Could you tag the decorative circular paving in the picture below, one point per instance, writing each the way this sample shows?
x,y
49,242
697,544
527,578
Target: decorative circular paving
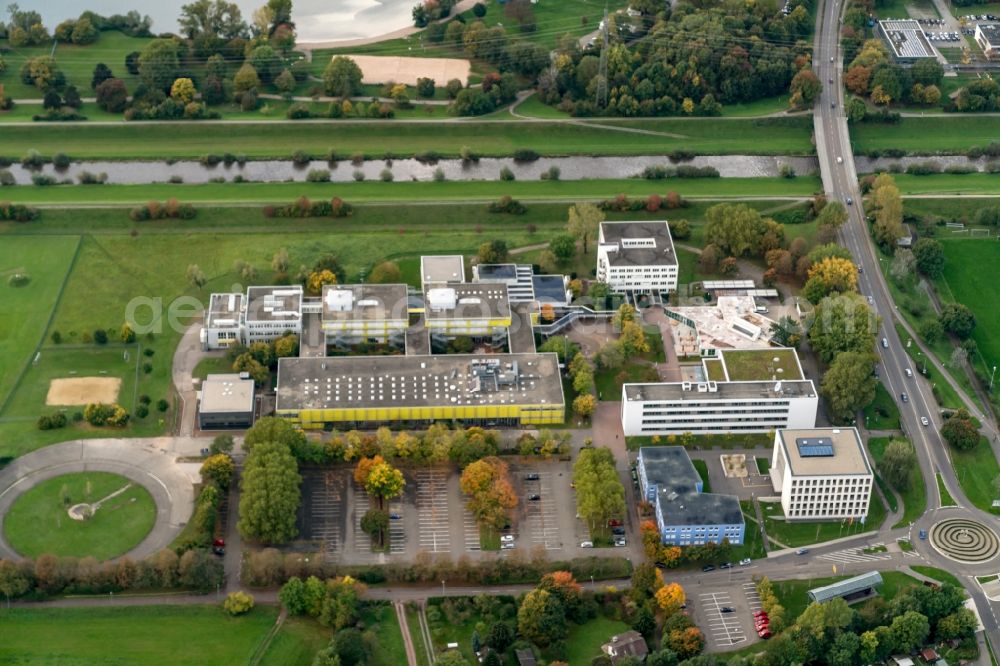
x,y
965,540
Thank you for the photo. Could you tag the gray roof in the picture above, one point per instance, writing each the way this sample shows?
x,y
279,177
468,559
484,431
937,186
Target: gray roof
x,y
670,469
449,268
550,289
224,310
690,391
226,394
846,587
991,31
631,252
364,302
274,303
848,452
473,300
496,272
418,381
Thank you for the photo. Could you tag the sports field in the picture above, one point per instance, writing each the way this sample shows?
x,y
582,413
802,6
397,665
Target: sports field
x,y
162,140
39,522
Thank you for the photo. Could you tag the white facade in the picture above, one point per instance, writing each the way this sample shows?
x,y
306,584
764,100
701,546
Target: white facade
x,y
717,407
636,256
988,38
826,487
264,314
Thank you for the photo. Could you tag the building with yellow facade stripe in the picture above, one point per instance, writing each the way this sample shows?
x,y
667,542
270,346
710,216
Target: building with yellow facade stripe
x,y
370,391
358,313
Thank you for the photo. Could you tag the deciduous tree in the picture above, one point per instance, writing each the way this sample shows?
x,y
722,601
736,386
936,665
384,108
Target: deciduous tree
x,y
342,77
960,431
541,618
270,495
584,221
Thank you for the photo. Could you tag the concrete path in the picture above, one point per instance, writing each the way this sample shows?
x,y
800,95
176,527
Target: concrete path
x,y
186,357
150,462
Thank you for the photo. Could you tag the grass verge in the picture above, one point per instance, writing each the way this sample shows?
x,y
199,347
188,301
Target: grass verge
x,y
939,575
914,496
976,471
882,413
796,534
946,498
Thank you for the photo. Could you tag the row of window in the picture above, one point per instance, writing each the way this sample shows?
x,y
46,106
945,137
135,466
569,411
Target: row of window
x,y
827,513
826,482
754,427
715,406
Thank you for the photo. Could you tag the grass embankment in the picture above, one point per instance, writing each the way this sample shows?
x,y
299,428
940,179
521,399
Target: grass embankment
x,y
951,134
976,470
882,413
948,183
409,191
796,534
915,496
134,634
946,498
163,140
937,574
38,521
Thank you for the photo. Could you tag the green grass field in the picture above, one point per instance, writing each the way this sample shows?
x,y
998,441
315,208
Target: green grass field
x,y
702,468
882,413
937,574
609,382
160,140
296,643
27,308
584,641
38,522
793,594
133,635
797,534
915,496
408,191
759,365
952,134
380,619
947,184
976,470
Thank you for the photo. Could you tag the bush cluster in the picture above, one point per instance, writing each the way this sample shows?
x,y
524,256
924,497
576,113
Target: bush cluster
x,y
621,203
992,150
927,168
49,575
683,171
506,204
269,567
52,422
154,210
17,212
303,207
102,414
58,115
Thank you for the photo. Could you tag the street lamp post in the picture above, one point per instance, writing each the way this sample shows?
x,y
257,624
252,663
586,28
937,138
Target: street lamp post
x,y
991,377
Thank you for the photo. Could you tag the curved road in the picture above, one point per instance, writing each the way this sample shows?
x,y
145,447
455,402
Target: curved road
x,y
840,181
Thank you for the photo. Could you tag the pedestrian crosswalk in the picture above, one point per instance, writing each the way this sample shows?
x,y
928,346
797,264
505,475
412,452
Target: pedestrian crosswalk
x,y
854,555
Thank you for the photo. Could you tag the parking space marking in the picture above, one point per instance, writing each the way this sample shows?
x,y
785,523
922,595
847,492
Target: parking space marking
x,y
852,555
470,530
541,520
434,530
324,516
362,542
753,599
397,531
724,629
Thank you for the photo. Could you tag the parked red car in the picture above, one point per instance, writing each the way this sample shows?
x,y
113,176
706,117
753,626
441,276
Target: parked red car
x,y
764,633
614,522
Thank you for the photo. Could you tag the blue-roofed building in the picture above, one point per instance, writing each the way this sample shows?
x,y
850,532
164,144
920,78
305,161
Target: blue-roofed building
x,y
822,474
685,514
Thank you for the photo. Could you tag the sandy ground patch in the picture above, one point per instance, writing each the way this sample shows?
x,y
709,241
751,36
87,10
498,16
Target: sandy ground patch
x,y
383,69
83,390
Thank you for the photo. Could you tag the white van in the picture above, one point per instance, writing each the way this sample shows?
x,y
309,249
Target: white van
x,y
885,342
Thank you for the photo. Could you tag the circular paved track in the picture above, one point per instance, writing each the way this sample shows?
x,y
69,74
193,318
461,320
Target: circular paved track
x,y
965,540
139,460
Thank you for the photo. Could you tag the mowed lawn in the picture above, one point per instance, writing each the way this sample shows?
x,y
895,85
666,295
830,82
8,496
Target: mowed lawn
x,y
952,134
374,138
38,522
407,191
947,183
26,309
161,635
296,643
965,281
915,495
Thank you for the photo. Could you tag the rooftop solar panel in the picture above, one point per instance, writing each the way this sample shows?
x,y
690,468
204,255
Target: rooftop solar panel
x,y
814,447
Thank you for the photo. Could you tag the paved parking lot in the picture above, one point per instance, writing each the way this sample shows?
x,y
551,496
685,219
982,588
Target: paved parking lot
x,y
432,505
470,530
723,630
541,520
753,599
321,516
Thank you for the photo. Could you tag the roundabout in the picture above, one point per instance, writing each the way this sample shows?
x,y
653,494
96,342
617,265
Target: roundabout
x,y
965,540
82,514
102,498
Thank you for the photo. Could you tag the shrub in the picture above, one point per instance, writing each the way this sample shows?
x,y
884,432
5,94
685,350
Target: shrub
x,y
88,178
162,405
525,155
506,204
506,173
101,336
7,178
17,212
358,175
303,207
52,422
42,179
154,210
428,157
386,175
439,176
318,176
141,412
61,160
147,368
298,111
33,160
923,168
301,158
56,337
238,603
101,414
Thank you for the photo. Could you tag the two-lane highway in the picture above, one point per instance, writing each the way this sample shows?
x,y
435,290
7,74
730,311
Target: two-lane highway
x,y
840,181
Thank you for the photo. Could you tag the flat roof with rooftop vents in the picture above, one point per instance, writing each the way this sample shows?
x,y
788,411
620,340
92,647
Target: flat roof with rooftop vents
x,y
670,470
700,391
418,381
445,268
465,301
274,303
638,243
224,310
364,302
226,394
495,272
824,451
551,289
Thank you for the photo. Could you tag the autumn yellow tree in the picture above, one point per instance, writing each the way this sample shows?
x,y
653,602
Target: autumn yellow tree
x,y
633,340
319,278
564,586
584,221
364,468
888,204
584,405
832,274
183,90
491,495
670,598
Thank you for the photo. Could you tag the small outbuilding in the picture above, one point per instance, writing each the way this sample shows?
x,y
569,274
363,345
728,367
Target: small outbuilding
x,y
226,401
629,644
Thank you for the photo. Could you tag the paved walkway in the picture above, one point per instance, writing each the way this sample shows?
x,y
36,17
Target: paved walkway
x,y
186,357
150,462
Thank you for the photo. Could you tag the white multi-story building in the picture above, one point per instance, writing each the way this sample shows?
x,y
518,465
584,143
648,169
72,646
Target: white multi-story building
x,y
636,256
821,474
271,312
223,322
674,408
354,313
988,38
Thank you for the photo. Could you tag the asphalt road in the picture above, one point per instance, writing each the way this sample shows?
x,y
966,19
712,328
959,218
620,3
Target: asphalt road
x,y
840,182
